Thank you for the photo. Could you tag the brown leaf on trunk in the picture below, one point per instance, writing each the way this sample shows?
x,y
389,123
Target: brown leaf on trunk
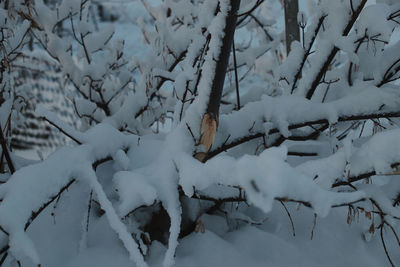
x,y
200,156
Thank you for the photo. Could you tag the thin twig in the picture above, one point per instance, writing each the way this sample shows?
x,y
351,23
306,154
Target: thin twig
x,y
314,224
236,75
394,232
62,130
384,246
290,217
88,211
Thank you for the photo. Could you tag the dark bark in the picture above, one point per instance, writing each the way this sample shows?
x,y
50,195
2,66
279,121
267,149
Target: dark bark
x,y
210,119
158,227
223,60
6,151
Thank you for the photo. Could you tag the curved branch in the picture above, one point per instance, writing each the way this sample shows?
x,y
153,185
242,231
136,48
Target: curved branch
x,y
362,176
250,137
36,213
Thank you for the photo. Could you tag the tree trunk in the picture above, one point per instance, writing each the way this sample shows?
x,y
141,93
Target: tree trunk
x,y
291,26
209,122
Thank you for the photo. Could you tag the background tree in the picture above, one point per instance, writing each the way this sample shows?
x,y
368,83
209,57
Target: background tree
x,y
292,31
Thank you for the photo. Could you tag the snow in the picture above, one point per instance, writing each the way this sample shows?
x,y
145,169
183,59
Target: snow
x,y
121,161
124,170
134,191
115,221
327,170
270,244
377,154
264,178
14,206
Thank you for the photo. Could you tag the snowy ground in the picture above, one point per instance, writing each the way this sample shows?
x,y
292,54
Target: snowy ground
x,y
268,241
334,243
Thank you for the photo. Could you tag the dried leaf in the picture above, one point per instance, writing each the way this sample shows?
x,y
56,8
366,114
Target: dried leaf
x,y
368,214
200,227
202,230
372,229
